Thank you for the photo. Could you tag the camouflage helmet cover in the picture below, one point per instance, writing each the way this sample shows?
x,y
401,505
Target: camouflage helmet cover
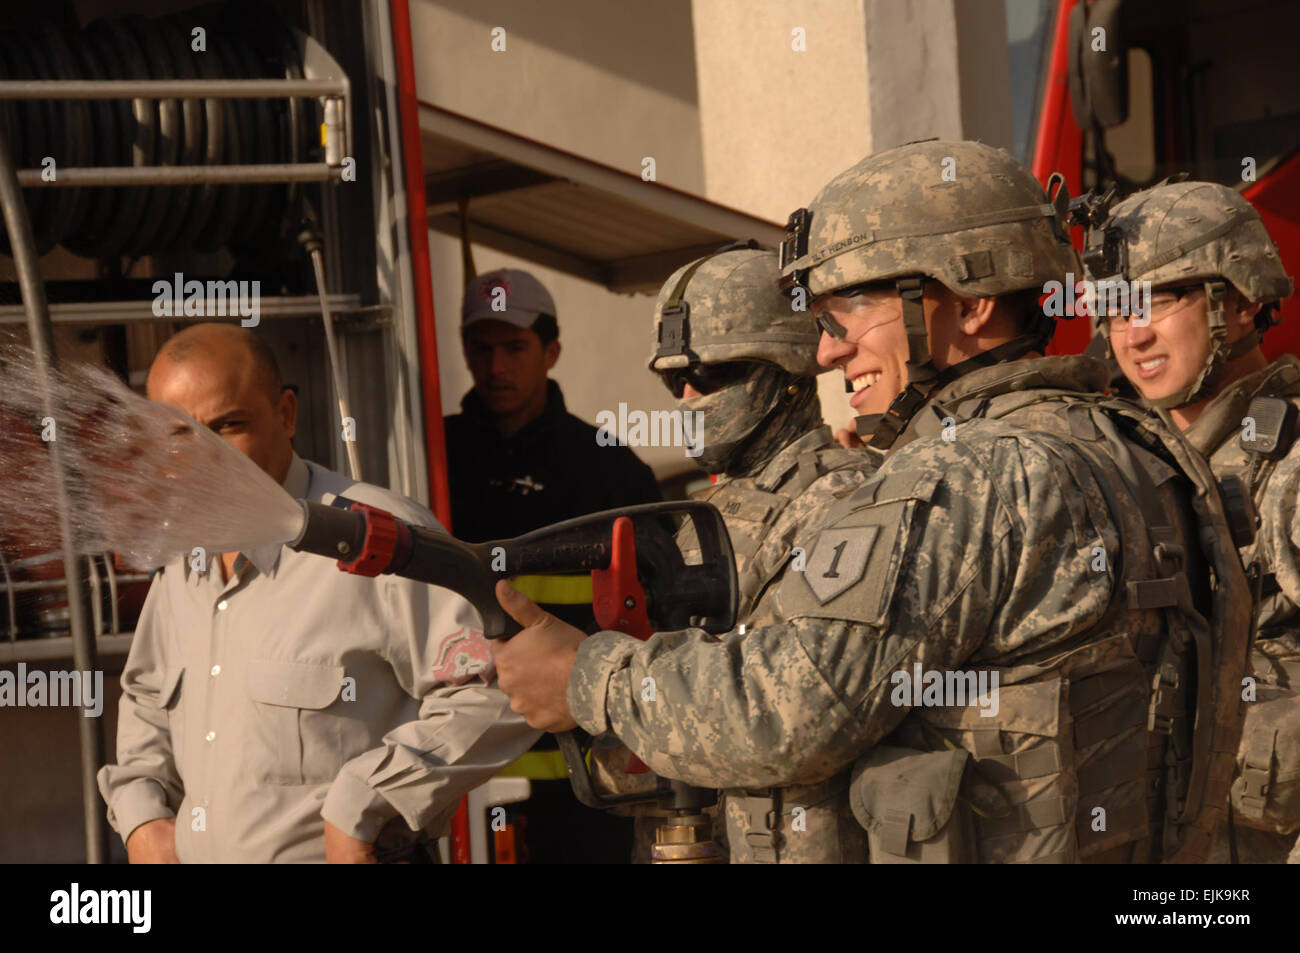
x,y
730,309
1185,231
964,213
1181,232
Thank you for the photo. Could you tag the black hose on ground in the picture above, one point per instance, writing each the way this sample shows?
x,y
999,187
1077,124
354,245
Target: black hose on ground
x,y
90,730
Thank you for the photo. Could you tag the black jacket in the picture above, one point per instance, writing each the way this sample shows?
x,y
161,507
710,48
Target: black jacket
x,y
549,471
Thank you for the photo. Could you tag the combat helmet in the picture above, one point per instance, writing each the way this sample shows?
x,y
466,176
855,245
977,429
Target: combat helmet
x,y
965,214
1182,232
726,308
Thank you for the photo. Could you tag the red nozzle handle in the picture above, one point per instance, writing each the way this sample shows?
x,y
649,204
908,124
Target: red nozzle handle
x,y
617,597
380,543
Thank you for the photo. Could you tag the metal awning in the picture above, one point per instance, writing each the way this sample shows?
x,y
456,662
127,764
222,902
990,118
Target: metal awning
x,y
566,212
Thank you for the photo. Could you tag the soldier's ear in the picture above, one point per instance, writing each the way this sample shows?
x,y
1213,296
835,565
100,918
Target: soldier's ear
x,y
974,314
1243,310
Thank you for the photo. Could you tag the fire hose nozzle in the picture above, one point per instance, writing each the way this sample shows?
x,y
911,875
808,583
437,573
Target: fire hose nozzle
x,y
384,535
365,540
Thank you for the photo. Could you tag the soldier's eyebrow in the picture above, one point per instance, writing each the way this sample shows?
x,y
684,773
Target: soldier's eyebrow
x,y
226,416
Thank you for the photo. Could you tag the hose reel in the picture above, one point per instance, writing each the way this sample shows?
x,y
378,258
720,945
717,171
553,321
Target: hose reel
x,y
224,167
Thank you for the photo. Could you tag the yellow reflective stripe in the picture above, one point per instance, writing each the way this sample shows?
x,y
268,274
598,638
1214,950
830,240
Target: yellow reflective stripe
x,y
538,766
556,590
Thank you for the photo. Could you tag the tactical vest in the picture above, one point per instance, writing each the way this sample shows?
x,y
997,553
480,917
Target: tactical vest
x,y
793,486
753,506
1265,795
1120,747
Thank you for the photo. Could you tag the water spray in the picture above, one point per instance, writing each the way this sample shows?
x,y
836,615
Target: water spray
x,y
60,475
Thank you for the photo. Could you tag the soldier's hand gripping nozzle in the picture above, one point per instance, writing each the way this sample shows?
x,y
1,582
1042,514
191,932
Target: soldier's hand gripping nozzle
x,y
641,583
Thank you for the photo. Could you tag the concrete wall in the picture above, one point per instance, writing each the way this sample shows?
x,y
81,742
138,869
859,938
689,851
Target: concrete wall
x,y
612,82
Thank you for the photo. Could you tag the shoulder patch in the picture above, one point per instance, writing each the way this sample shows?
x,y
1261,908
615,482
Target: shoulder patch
x,y
853,563
839,558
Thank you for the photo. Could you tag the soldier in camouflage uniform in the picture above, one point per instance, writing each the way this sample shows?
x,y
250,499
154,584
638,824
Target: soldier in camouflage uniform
x,y
1215,279
729,344
1020,528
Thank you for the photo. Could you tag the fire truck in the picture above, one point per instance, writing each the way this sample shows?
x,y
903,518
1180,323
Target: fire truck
x,y
1133,91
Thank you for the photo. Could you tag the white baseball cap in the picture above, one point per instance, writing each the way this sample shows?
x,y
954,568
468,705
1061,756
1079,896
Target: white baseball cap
x,y
506,294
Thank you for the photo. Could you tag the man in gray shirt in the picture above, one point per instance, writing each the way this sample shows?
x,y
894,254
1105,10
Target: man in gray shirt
x,y
273,708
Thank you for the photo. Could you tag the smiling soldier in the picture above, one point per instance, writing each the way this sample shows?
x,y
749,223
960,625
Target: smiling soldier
x,y
1020,524
1216,280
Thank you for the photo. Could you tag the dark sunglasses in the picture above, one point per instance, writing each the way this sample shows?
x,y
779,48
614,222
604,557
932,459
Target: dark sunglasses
x,y
706,378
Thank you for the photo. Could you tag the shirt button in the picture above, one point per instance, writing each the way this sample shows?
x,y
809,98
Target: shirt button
x,y
209,736
216,670
222,605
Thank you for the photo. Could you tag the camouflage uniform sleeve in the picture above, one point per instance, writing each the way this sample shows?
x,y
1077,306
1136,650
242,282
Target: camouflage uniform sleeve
x,y
1279,537
937,564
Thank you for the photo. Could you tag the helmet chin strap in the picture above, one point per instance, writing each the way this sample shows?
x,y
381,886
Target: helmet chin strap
x,y
1220,353
880,431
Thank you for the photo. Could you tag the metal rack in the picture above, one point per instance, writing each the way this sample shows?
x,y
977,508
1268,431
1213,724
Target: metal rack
x,y
333,93
322,79
104,581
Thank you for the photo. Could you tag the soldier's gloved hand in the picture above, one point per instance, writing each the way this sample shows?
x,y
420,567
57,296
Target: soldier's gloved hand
x,y
533,667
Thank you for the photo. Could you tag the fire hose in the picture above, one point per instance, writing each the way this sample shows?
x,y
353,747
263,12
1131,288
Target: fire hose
x,y
641,583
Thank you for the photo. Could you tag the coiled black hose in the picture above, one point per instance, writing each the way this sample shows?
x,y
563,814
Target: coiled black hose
x,y
239,42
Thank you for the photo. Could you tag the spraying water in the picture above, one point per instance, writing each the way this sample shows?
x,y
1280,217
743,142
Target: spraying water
x,y
146,481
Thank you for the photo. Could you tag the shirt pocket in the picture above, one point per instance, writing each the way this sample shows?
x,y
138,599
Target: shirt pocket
x,y
169,700
292,741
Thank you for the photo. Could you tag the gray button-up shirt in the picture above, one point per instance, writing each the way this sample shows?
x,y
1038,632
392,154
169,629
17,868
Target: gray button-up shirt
x,y
251,709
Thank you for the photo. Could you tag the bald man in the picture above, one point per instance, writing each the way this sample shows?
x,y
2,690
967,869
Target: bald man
x,y
275,709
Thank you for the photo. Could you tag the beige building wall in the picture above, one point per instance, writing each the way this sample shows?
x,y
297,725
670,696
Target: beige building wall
x,y
609,81
754,105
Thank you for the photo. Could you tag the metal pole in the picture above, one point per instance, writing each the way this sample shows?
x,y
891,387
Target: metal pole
x,y
311,241
172,88
110,175
91,730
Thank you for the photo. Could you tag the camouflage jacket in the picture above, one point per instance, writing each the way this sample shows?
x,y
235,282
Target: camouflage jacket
x,y
1266,792
766,511
975,547
1275,488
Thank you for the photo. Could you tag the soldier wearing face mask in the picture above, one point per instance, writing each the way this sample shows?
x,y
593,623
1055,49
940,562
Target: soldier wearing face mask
x,y
732,347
